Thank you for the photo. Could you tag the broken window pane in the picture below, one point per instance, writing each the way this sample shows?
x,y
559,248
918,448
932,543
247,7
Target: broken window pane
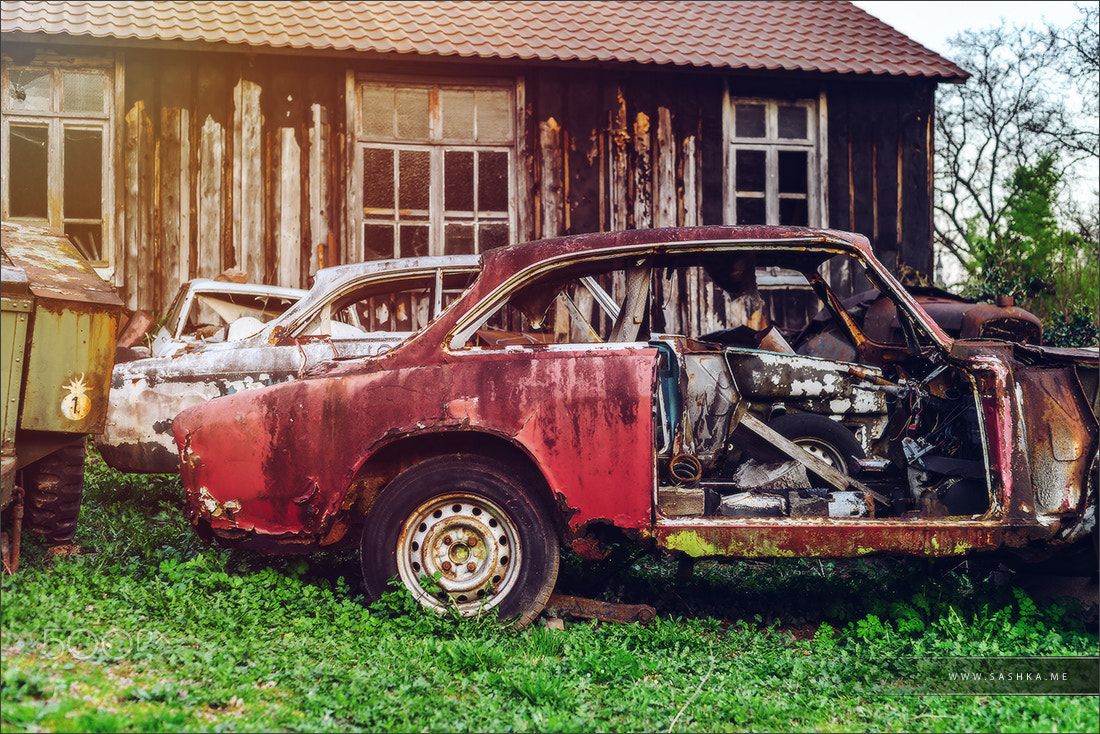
x,y
792,122
378,241
458,181
794,212
750,170
378,112
82,91
458,114
414,240
492,182
83,174
493,236
750,121
88,238
29,89
28,165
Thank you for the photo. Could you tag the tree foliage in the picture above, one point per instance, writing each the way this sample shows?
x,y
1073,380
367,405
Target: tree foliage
x,y
1016,146
1053,272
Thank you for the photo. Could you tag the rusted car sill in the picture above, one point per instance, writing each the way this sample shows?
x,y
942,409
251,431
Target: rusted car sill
x,y
756,537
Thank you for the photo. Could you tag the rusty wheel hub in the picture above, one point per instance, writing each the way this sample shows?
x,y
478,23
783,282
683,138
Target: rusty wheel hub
x,y
470,542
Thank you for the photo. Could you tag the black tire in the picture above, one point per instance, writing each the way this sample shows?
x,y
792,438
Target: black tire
x,y
823,437
54,485
471,520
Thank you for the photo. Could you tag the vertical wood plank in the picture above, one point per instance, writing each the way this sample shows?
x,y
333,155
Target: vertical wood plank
x,y
288,200
665,175
582,150
915,230
318,188
175,198
620,138
140,255
248,189
690,176
643,173
210,205
351,248
550,187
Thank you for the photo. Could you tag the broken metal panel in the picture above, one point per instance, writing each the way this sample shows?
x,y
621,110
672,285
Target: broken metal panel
x,y
287,454
146,395
712,406
1061,436
770,380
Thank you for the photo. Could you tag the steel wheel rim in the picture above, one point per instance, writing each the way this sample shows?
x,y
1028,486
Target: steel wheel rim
x,y
470,542
824,452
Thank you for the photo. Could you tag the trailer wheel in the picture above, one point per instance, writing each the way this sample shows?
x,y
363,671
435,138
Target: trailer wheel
x,y
462,533
823,437
54,485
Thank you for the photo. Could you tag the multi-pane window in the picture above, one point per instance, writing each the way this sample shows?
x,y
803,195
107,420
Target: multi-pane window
x,y
773,162
437,168
56,122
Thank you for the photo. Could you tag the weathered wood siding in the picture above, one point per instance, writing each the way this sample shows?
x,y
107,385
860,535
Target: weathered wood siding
x,y
242,161
229,162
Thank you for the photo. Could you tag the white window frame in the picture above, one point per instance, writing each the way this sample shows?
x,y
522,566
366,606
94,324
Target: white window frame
x,y
814,144
57,121
437,218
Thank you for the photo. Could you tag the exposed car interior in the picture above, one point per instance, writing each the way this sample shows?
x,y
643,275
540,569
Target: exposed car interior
x,y
905,438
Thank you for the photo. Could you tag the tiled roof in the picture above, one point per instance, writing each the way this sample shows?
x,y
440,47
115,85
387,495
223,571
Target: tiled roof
x,y
791,35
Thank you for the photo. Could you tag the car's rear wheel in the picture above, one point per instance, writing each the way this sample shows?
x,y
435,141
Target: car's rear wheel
x,y
826,439
462,533
54,485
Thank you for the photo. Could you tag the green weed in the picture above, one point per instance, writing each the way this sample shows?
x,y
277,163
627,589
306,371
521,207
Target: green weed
x,y
150,630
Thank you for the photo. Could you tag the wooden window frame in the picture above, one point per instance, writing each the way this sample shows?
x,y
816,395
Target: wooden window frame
x,y
437,146
57,121
814,144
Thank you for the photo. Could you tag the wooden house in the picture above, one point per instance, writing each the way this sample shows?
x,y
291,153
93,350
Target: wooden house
x,y
176,140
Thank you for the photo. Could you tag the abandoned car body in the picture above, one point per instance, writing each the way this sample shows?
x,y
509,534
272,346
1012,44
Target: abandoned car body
x,y
352,310
468,457
204,310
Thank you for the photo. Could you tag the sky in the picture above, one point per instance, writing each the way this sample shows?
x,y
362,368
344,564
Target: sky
x,y
932,22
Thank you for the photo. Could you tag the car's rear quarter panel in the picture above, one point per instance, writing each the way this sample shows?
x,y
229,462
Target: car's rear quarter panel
x,y
277,462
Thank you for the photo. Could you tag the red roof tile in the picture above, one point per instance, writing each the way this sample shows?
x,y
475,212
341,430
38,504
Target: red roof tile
x,y
790,35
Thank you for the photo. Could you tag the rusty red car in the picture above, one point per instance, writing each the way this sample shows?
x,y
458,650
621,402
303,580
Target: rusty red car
x,y
628,385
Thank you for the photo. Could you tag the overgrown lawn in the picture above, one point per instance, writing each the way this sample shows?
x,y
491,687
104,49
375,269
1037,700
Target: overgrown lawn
x,y
149,630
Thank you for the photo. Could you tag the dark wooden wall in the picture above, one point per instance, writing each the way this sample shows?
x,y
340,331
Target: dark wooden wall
x,y
241,160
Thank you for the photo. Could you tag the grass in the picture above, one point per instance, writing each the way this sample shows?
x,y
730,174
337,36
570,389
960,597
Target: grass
x,y
149,630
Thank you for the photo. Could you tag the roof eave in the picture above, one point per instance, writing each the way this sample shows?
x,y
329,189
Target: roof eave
x,y
52,38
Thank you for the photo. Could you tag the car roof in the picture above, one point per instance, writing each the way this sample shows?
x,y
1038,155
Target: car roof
x,y
500,263
327,277
199,285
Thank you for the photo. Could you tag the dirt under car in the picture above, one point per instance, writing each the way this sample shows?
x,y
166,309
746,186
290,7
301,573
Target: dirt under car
x,y
563,398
